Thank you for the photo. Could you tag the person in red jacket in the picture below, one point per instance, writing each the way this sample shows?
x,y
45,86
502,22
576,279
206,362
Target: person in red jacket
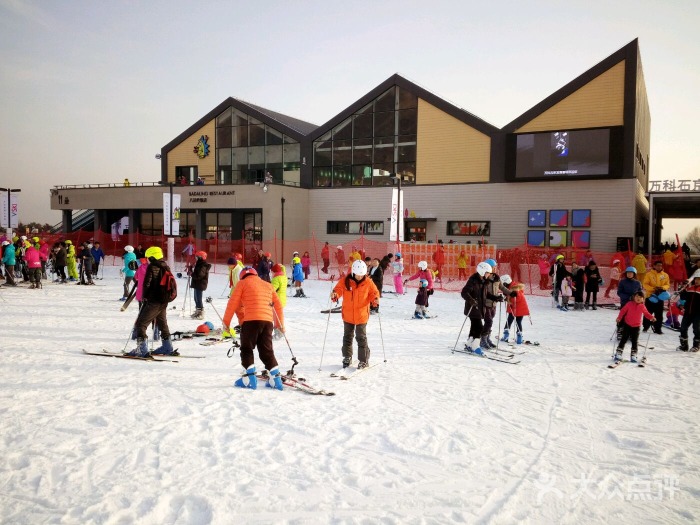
x,y
326,256
631,318
517,308
358,293
261,304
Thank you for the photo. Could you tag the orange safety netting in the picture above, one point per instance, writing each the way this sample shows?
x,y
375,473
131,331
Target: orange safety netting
x,y
521,263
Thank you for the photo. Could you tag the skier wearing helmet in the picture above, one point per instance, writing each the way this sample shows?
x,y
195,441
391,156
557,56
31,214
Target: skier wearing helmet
x,y
262,308
200,280
474,295
423,273
628,286
264,266
358,293
154,306
129,269
71,265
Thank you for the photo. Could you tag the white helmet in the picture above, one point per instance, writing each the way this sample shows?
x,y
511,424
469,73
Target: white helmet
x,y
359,268
5,243
340,247
423,265
23,237
506,279
128,248
483,268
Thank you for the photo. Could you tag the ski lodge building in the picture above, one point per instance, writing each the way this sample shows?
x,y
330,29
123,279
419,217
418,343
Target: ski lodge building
x,y
571,172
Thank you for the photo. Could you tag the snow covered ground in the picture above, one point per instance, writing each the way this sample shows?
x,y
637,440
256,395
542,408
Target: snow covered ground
x,y
426,437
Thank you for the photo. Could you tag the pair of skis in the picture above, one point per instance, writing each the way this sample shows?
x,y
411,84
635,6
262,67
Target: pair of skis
x,y
173,358
297,383
347,373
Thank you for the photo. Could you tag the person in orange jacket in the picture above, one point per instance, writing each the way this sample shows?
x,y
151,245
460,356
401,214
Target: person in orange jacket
x,y
261,305
358,293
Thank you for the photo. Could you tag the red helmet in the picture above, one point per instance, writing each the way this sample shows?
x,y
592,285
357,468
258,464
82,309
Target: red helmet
x,y
268,254
246,272
238,256
202,329
277,268
201,254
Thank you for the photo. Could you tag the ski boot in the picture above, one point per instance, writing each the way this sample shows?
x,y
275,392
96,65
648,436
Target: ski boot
x,y
362,364
633,357
696,346
506,335
618,355
248,380
484,343
519,338
417,315
301,293
684,345
471,348
585,306
198,314
297,293
594,307
141,349
347,361
165,349
275,380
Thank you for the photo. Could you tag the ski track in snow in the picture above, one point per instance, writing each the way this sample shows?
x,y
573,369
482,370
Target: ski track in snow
x,y
427,437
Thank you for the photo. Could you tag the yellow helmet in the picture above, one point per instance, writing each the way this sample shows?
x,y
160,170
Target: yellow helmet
x,y
296,260
155,252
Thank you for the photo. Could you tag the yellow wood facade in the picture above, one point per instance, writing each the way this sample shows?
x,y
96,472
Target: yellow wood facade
x,y
448,150
183,155
597,104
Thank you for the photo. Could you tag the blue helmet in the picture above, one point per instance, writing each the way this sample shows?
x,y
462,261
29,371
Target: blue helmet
x,y
210,325
631,269
424,283
398,255
491,262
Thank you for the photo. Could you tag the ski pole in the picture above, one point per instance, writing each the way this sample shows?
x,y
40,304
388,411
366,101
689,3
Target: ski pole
x,y
232,350
381,334
184,302
460,330
646,347
290,373
328,321
498,335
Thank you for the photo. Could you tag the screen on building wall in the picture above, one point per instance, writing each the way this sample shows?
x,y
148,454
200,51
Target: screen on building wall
x,y
563,154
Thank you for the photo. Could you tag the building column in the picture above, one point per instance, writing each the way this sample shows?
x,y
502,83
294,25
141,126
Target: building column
x,y
133,226
67,221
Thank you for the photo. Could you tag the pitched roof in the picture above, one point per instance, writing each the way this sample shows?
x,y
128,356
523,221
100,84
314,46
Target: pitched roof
x,y
298,125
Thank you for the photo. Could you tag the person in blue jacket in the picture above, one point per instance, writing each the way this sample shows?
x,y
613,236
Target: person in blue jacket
x,y
130,267
628,286
298,277
98,255
8,259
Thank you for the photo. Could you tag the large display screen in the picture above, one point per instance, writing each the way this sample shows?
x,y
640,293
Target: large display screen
x,y
562,154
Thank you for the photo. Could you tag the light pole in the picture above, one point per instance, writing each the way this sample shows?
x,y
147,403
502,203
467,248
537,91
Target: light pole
x,y
396,178
9,210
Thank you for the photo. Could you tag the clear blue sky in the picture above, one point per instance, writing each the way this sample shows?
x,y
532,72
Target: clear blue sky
x,y
91,90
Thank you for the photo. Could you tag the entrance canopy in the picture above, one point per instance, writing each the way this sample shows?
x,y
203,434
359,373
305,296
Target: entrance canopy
x,y
670,205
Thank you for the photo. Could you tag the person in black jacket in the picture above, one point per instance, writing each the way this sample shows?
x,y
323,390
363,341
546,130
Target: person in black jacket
x,y
154,306
578,282
86,261
59,250
474,295
593,282
377,275
264,266
200,280
558,272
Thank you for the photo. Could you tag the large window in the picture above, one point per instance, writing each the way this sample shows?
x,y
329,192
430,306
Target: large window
x,y
246,149
368,146
355,227
469,228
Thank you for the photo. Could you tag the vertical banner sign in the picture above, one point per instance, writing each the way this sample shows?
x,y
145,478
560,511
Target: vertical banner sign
x,y
174,213
9,210
394,213
401,216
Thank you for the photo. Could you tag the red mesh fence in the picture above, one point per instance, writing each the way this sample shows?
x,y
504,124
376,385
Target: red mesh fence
x,y
521,263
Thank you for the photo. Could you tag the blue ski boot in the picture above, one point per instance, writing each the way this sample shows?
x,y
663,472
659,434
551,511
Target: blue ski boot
x,y
166,349
275,379
506,335
248,380
417,315
519,338
141,349
472,347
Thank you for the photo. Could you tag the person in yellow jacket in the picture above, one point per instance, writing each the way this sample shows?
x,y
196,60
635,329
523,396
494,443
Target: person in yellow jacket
x,y
640,264
462,266
656,283
262,306
71,265
235,265
358,293
279,282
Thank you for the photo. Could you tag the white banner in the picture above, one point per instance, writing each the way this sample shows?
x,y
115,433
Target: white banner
x,y
9,209
396,215
175,214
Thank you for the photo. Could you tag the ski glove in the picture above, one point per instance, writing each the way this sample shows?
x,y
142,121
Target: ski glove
x,y
513,293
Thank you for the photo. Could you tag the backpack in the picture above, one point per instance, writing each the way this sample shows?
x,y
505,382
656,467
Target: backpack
x,y
168,286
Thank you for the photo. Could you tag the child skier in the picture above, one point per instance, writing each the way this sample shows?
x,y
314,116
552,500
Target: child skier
x,y
397,266
675,311
422,301
630,318
517,308
358,293
566,291
615,273
474,295
298,277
